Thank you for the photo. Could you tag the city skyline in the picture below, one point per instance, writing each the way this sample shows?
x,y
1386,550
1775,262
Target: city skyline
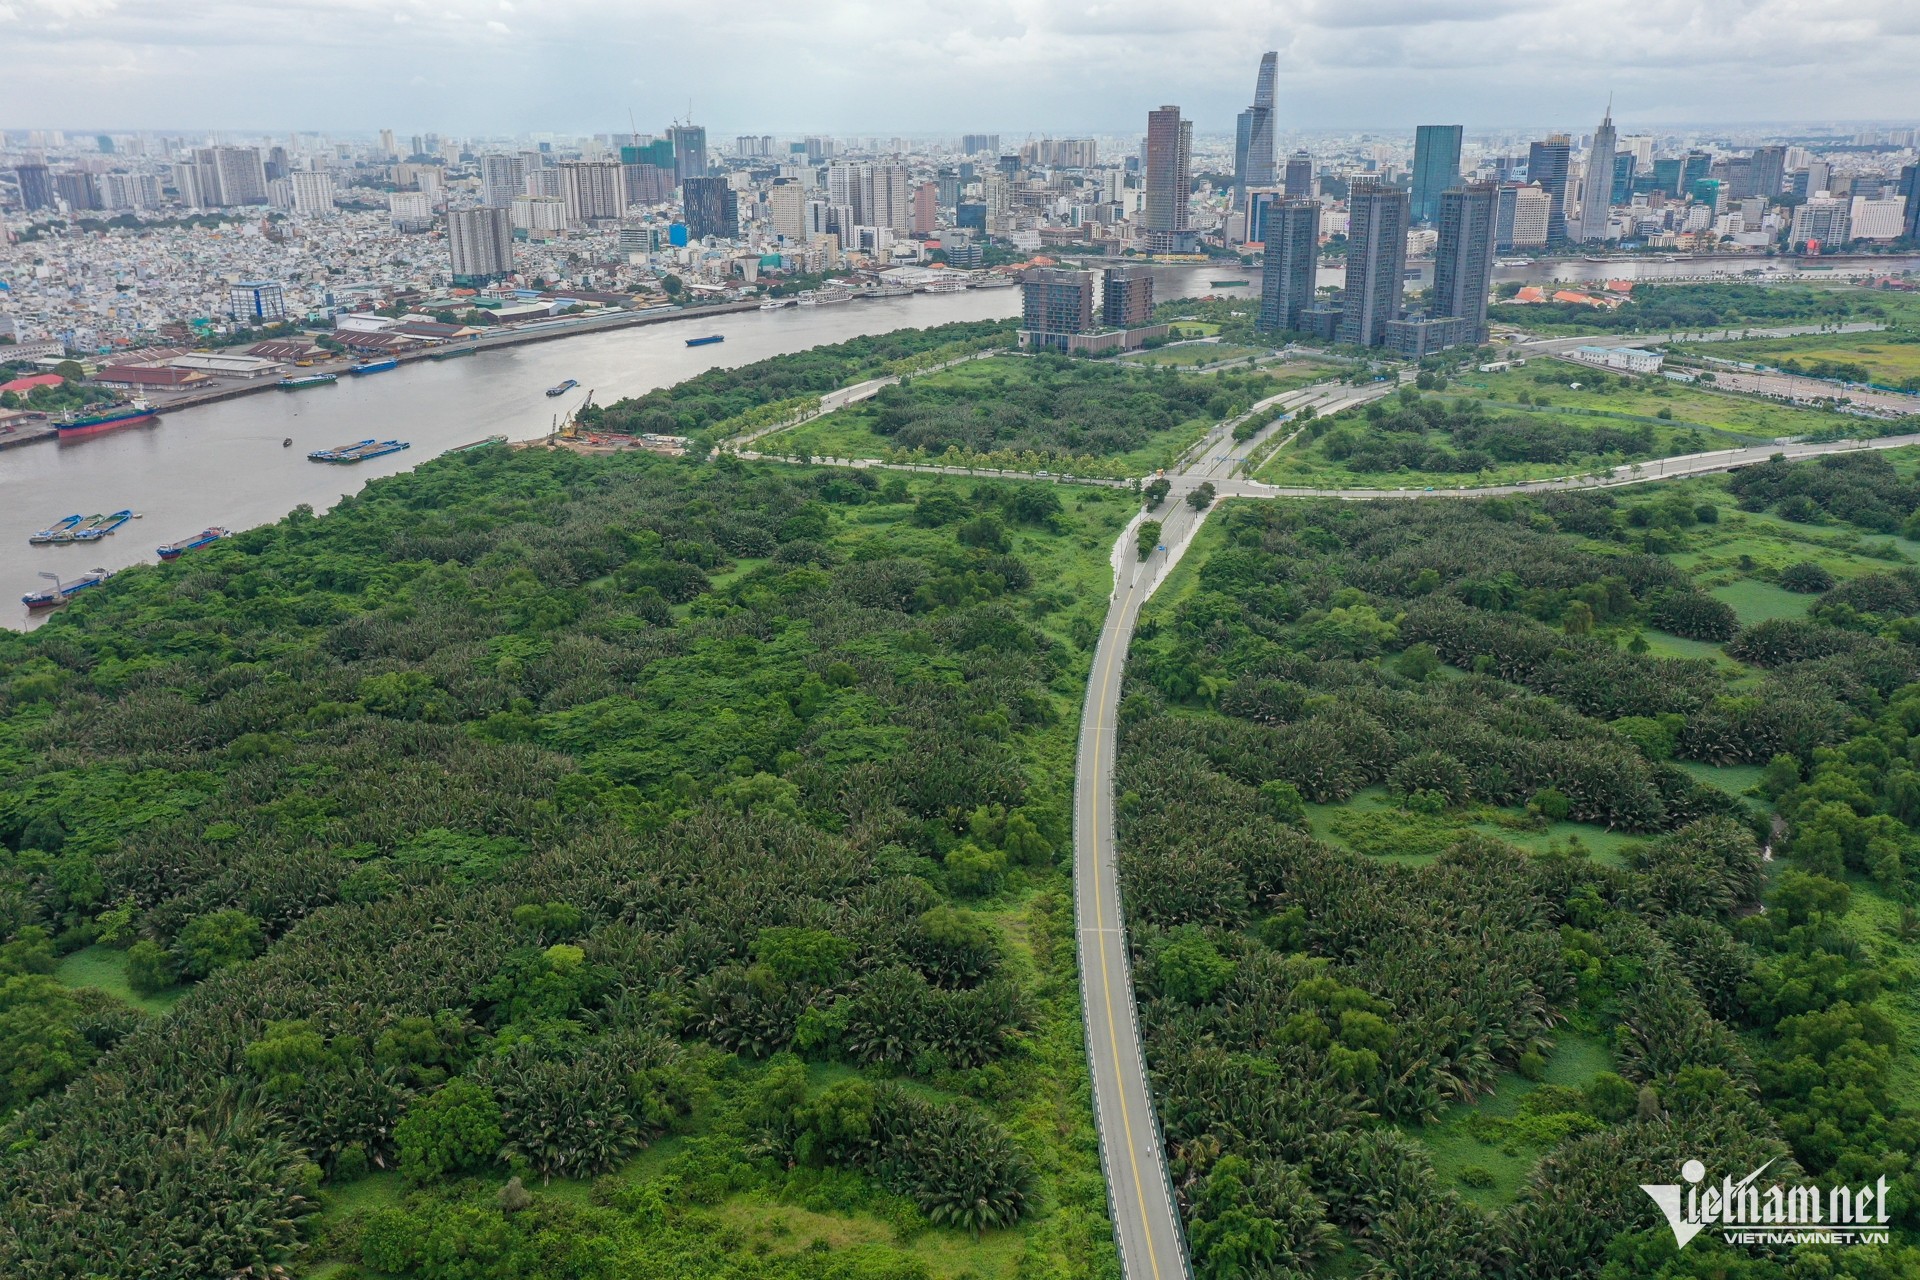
x,y
489,67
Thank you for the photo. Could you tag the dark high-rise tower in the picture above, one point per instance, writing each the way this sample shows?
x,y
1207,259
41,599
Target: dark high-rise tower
x,y
712,208
1376,263
1596,193
1126,297
1769,171
1169,157
1547,165
1253,136
1463,260
689,151
1436,167
36,186
1299,176
1287,268
1910,188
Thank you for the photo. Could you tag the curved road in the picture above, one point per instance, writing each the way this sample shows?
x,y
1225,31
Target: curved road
x,y
1146,1220
1146,1223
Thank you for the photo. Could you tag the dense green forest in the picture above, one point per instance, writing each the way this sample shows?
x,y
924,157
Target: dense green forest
x,y
1447,877
547,866
1669,307
690,407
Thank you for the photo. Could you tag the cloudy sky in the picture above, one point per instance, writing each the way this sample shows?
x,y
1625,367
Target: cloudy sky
x,y
514,66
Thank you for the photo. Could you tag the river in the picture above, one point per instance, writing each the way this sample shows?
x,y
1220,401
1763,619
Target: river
x,y
224,464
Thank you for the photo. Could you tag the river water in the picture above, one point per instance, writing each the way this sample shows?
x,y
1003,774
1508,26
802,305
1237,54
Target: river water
x,y
224,464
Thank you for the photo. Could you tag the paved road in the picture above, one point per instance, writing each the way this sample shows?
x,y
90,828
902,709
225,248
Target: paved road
x,y
1146,1223
1548,346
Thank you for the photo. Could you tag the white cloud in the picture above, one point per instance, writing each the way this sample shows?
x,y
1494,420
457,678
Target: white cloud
x,y
909,65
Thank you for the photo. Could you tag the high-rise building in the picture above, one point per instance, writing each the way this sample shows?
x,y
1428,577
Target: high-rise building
x,y
972,144
1910,192
689,142
647,183
712,208
1288,265
1693,167
787,211
1169,157
1253,134
1055,303
1769,171
1547,166
926,209
1299,180
1822,221
312,193
1596,194
1376,262
501,179
1463,258
541,216
257,302
480,243
1710,192
387,145
232,175
77,190
130,191
36,186
890,202
595,190
1532,215
1625,163
1126,297
1436,167
410,210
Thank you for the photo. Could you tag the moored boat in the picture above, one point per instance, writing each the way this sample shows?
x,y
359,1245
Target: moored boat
x,y
54,531
95,421
174,550
60,592
306,380
376,366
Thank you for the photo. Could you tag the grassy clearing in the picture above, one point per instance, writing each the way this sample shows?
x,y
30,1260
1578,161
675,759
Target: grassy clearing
x,y
1889,360
1187,357
105,969
1371,822
1552,382
1734,779
1762,601
1456,1148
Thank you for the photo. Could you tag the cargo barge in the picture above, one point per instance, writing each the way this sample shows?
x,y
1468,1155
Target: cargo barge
x,y
174,550
60,592
707,341
306,380
359,451
564,387
59,531
376,366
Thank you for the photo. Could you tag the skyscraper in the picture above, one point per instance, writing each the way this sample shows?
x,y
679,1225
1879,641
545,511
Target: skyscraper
x,y
1299,181
712,208
1126,297
595,190
501,179
36,186
926,209
1169,156
1596,193
480,243
1547,166
787,211
1910,189
1436,167
1769,171
77,190
1463,259
1253,136
689,151
1287,268
312,192
1376,262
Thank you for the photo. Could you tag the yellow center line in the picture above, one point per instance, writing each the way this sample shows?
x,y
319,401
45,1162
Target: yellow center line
x,y
1106,981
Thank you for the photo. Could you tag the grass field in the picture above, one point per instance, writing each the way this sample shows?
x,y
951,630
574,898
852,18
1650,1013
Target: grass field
x,y
105,969
1455,1146
1642,399
1187,357
1890,361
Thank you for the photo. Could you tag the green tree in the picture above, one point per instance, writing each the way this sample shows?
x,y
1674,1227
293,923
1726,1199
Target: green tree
x,y
217,941
453,1129
1147,537
1190,968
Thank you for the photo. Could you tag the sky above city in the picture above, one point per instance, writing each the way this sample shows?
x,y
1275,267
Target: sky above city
x,y
504,67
